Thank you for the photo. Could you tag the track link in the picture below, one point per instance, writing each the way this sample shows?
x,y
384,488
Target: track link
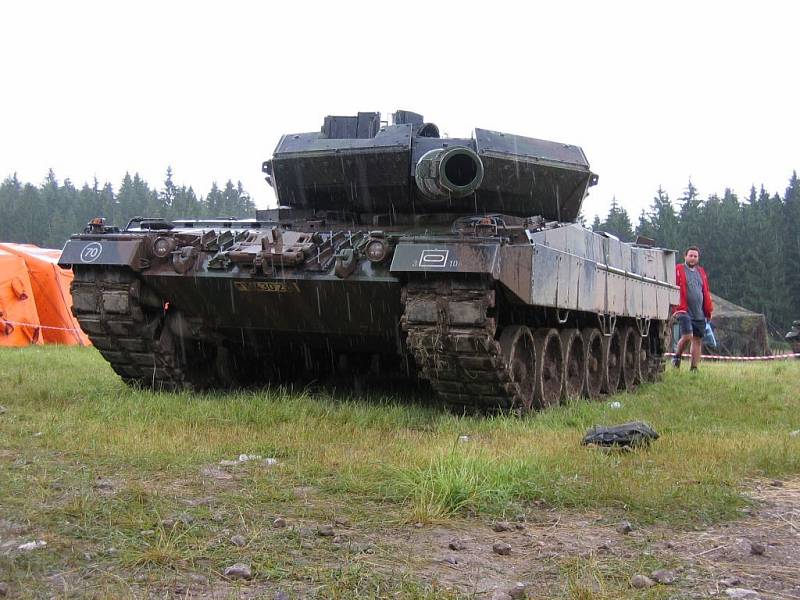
x,y
451,336
130,337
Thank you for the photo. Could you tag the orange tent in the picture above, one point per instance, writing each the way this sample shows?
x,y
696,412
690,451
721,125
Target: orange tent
x,y
19,322
50,285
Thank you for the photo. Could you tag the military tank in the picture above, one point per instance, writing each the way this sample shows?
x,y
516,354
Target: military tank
x,y
394,253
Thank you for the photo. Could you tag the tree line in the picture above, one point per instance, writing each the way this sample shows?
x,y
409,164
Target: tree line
x,y
48,214
750,247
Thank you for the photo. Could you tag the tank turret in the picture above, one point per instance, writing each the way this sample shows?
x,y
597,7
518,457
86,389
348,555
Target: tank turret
x,y
360,164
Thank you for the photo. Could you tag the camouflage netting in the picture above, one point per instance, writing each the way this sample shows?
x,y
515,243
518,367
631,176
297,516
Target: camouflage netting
x,y
739,332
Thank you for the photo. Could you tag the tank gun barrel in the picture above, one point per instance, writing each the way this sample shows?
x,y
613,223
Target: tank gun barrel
x,y
453,172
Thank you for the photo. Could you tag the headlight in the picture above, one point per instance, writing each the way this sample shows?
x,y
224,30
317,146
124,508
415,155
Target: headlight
x,y
163,246
376,250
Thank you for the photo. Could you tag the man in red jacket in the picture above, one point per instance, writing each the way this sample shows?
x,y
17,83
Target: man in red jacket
x,y
695,306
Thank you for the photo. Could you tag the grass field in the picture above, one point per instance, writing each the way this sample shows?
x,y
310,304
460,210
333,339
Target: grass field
x,y
126,488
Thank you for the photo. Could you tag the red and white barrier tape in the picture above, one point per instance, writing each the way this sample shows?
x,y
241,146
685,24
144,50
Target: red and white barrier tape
x,y
19,323
719,357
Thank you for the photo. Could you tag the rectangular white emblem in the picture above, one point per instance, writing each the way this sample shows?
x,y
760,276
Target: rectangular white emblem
x,y
433,259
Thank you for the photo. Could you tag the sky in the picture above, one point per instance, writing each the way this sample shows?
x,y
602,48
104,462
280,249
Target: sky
x,y
656,94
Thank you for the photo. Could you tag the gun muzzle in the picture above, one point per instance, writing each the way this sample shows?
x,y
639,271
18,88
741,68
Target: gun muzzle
x,y
453,172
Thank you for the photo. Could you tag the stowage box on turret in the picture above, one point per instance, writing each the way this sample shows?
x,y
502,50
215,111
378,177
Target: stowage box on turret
x,y
394,252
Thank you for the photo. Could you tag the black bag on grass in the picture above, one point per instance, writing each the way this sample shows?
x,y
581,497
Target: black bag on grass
x,y
635,433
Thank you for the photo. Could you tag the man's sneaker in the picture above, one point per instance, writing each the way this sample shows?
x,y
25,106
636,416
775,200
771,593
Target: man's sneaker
x,y
676,362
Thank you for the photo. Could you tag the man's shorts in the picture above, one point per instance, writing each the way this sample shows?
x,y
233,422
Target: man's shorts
x,y
697,327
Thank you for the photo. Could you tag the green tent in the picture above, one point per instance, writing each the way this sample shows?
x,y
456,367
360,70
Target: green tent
x,y
739,332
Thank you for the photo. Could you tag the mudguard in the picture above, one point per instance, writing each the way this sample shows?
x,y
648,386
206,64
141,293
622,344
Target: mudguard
x,y
102,252
442,257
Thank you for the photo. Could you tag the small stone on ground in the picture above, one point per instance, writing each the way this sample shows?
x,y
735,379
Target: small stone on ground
x,y
502,526
641,582
238,540
625,527
198,579
742,593
238,571
757,548
663,576
326,531
502,548
456,544
34,545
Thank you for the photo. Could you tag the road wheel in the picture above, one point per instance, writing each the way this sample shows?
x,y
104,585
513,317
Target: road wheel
x,y
593,346
518,349
643,359
574,360
612,361
549,367
629,359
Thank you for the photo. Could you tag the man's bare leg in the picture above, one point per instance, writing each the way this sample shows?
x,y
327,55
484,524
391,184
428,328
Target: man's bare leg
x,y
683,344
697,346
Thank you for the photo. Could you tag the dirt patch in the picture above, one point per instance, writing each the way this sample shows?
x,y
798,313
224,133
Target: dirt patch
x,y
759,552
553,553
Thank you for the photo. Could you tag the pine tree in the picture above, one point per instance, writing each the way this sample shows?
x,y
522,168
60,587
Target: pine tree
x,y
214,201
690,230
618,222
167,195
663,222
791,251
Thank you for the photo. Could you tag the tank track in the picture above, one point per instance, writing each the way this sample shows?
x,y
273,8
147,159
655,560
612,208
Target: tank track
x,y
451,336
658,363
130,336
658,359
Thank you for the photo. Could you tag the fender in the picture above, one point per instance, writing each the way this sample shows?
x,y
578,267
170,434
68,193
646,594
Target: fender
x,y
431,256
97,251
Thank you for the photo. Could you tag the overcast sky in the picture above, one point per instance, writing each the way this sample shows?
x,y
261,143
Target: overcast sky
x,y
654,95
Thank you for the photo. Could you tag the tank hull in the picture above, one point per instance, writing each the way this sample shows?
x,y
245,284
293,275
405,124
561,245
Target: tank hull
x,y
437,310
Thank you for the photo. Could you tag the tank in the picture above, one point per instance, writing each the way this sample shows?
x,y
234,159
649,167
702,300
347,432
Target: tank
x,y
394,254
